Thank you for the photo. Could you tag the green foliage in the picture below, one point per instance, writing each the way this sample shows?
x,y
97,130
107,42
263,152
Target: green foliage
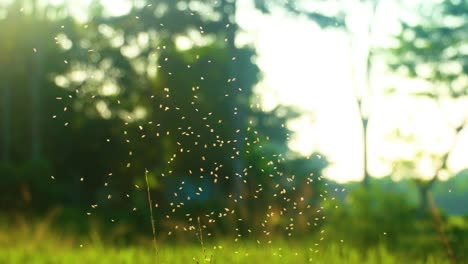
x,y
88,108
321,16
27,185
434,48
388,214
29,245
457,230
373,215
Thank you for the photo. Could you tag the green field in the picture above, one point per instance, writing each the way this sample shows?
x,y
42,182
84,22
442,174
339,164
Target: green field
x,y
25,241
68,251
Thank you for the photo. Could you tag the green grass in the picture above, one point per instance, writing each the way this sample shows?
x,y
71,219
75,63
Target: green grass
x,y
228,252
35,242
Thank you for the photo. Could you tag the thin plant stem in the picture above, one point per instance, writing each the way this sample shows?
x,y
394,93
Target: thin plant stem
x,y
153,227
200,237
439,225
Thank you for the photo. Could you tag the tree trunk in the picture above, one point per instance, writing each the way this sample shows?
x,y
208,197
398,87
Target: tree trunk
x,y
365,181
238,115
6,120
365,117
35,89
424,190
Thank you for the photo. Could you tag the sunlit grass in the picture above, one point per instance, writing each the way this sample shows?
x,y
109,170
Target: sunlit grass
x,y
26,241
230,253
22,246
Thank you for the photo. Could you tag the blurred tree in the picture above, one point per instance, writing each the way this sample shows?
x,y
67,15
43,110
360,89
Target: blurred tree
x,y
164,87
24,84
205,89
434,49
341,15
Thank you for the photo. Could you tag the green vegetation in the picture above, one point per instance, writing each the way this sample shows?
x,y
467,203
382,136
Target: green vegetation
x,y
106,118
192,254
24,247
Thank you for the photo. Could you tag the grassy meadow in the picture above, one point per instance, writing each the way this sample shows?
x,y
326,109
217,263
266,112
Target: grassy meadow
x,y
36,243
247,252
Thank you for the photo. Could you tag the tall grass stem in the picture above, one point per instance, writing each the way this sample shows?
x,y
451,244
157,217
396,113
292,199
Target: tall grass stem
x,y
150,205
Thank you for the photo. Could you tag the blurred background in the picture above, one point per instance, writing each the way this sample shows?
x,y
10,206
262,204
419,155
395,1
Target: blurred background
x,y
250,119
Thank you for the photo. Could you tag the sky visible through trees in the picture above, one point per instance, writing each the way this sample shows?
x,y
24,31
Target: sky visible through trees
x,y
325,53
